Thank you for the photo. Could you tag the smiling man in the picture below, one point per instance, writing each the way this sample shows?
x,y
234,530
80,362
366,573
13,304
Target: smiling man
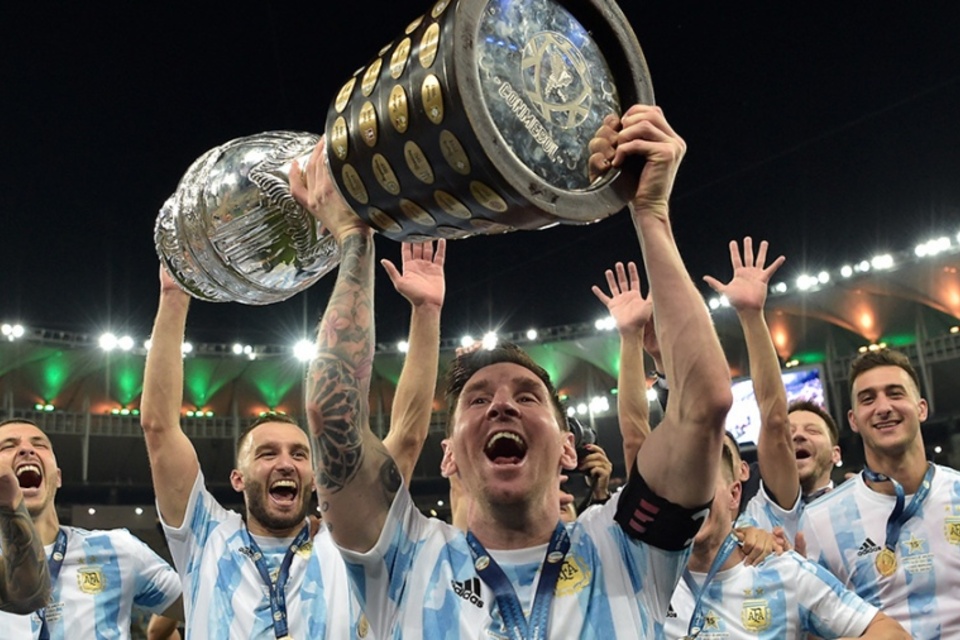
x,y
96,576
263,577
892,534
608,575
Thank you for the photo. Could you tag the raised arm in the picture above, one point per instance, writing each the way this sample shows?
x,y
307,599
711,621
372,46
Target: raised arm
x,y
631,311
173,459
24,576
421,282
679,459
747,293
356,477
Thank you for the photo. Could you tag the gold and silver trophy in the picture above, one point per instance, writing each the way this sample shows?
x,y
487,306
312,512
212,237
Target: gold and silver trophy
x,y
476,120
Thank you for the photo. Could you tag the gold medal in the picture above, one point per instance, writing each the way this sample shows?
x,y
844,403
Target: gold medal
x,y
886,562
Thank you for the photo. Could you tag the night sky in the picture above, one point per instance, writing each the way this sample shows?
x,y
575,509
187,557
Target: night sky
x,y
829,128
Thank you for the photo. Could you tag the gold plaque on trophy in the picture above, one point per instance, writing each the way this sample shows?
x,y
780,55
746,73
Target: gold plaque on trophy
x,y
385,175
417,162
416,213
370,77
487,197
454,153
338,138
886,562
439,8
397,106
343,96
432,97
384,222
368,124
413,26
489,226
399,58
429,44
355,187
451,205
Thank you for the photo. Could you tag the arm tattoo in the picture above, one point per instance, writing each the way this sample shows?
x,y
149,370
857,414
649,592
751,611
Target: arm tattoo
x,y
25,582
339,378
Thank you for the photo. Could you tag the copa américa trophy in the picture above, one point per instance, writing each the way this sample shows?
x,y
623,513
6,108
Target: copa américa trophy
x,y
475,120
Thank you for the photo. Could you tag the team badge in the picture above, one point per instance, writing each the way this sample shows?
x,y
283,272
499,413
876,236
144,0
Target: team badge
x,y
574,576
951,529
90,579
305,549
363,627
755,615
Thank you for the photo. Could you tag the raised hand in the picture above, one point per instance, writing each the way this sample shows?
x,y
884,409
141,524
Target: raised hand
x,y
630,310
313,187
421,281
10,492
598,466
748,288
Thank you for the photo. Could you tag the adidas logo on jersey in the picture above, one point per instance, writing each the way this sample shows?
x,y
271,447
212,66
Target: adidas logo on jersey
x,y
469,590
671,613
868,547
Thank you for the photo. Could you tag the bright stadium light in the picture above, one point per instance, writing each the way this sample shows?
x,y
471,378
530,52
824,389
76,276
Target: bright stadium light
x,y
467,341
108,341
713,303
652,395
186,348
806,282
531,334
780,287
862,267
12,331
823,277
403,346
303,350
237,349
882,262
489,341
605,324
125,343
846,271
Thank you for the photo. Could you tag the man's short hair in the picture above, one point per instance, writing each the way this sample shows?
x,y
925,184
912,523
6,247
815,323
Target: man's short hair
x,y
270,416
882,358
727,463
4,423
464,366
813,407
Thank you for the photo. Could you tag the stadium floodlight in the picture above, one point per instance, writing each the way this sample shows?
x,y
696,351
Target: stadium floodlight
x,y
12,331
605,324
806,282
713,303
303,350
467,341
846,271
862,267
108,341
581,409
599,404
933,247
403,346
237,349
823,277
882,262
571,411
489,341
531,334
186,348
780,287
652,395
724,301
138,511
125,343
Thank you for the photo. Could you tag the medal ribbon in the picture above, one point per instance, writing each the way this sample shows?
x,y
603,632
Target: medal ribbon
x,y
697,618
900,515
490,572
54,562
278,596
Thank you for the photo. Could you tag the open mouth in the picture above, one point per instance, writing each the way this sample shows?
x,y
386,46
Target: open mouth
x,y
890,424
803,454
284,491
505,447
29,476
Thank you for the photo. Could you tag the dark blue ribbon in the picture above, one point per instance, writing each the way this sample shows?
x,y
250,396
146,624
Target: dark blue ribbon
x,y
697,617
900,515
278,596
490,572
54,563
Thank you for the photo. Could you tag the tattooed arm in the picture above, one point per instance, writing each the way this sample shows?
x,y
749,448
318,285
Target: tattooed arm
x,y
24,576
356,477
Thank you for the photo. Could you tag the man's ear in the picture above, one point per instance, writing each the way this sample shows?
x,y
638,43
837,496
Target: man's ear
x,y
568,456
236,481
852,419
922,410
736,491
448,466
835,456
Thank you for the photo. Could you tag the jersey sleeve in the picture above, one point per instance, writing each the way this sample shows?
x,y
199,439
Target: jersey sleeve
x,y
827,608
157,585
203,514
763,512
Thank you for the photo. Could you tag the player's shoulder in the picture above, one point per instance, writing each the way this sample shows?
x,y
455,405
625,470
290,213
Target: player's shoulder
x,y
824,505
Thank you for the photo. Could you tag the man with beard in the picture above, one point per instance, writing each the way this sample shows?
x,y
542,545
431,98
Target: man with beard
x,y
892,533
816,444
24,576
96,577
270,575
421,578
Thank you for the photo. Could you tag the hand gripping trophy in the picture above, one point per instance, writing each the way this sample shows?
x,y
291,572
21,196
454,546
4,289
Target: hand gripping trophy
x,y
475,120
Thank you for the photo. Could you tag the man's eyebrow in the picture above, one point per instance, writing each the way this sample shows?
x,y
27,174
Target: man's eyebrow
x,y
476,385
13,439
527,384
